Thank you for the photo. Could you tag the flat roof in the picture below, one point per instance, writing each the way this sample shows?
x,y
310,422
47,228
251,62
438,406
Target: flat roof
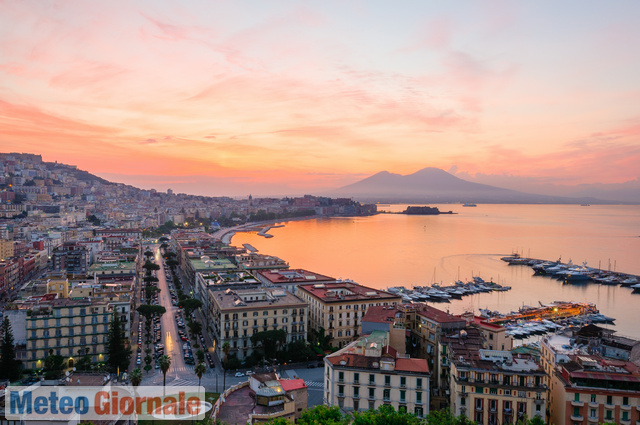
x,y
212,264
345,292
276,276
249,299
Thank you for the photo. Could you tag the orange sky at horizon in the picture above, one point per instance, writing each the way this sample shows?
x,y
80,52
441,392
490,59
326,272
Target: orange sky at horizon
x,y
293,98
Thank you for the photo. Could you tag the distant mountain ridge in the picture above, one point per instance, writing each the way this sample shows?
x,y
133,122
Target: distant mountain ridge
x,y
434,185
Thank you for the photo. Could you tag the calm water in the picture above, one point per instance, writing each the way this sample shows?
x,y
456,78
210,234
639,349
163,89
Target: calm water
x,y
400,250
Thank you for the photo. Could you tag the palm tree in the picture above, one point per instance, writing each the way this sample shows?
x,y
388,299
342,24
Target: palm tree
x,y
165,364
200,370
226,348
136,377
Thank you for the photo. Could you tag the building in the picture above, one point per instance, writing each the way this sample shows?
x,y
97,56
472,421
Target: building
x,y
339,307
493,335
494,387
290,279
71,328
591,389
369,373
236,315
263,397
6,249
71,257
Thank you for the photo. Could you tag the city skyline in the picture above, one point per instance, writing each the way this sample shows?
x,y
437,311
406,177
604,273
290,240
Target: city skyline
x,y
214,99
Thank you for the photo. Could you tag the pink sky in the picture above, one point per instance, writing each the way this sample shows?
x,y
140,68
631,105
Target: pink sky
x,y
215,97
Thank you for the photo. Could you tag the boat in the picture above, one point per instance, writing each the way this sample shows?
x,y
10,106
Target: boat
x,y
469,204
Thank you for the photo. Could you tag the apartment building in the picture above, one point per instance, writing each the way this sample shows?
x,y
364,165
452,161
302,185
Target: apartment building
x,y
71,328
289,279
236,315
589,389
494,387
71,257
339,307
369,373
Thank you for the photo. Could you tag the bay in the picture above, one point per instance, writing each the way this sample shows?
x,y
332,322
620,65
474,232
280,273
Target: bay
x,y
401,250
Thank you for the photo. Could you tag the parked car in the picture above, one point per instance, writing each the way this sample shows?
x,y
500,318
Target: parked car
x,y
239,374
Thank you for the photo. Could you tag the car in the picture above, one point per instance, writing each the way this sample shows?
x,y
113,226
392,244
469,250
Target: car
x,y
249,372
138,361
190,361
184,338
157,365
311,366
239,374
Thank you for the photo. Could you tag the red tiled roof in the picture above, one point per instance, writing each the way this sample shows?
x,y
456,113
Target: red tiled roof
x,y
439,316
292,384
379,314
483,322
326,293
412,365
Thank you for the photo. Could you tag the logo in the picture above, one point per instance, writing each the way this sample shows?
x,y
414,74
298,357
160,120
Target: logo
x,y
109,402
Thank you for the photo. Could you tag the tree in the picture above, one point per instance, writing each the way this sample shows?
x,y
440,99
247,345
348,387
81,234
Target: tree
x,y
321,338
150,266
200,356
118,354
148,254
226,348
270,341
94,220
195,327
190,305
322,415
9,366
165,364
136,377
385,415
200,370
53,365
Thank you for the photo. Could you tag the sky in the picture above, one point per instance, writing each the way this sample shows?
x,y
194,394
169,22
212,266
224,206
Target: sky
x,y
282,97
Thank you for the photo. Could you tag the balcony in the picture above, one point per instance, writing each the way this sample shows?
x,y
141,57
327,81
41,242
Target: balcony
x,y
593,419
479,409
609,406
539,401
340,395
578,418
577,403
625,421
593,404
625,407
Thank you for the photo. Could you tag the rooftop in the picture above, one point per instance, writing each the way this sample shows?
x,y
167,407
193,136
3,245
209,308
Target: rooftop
x,y
295,275
345,291
256,298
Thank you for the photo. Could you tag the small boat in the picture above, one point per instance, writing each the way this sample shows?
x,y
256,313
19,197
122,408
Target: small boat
x,y
469,204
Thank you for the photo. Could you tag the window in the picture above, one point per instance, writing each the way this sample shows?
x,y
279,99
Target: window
x,y
625,401
372,378
356,392
625,416
493,391
479,390
506,380
340,376
356,378
593,398
372,393
403,381
419,412
419,397
479,403
356,405
387,381
609,399
609,414
576,397
340,390
386,394
493,405
592,413
403,396
418,382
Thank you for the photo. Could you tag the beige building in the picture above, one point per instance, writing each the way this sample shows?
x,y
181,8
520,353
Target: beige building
x,y
6,249
369,373
236,315
70,328
338,307
493,335
494,387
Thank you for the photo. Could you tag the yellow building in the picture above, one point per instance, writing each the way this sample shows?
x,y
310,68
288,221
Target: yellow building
x,y
239,314
369,373
6,249
338,307
494,387
69,328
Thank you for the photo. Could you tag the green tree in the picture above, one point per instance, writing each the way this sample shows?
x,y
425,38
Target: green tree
x,y
135,377
200,370
94,220
321,338
322,415
385,415
150,266
53,365
226,348
195,327
190,305
270,341
200,356
118,354
9,366
165,364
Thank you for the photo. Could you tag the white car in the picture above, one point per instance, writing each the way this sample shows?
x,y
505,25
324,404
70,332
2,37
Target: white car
x,y
239,374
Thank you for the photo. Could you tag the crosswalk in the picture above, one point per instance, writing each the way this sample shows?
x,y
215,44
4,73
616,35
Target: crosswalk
x,y
179,382
314,384
182,369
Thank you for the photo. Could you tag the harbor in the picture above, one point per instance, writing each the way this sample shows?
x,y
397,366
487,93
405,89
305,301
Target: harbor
x,y
438,293
571,273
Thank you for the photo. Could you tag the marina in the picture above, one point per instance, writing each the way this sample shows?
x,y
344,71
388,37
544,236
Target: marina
x,y
571,273
437,293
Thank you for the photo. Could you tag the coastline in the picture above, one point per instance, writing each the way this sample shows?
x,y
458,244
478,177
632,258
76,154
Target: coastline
x,y
262,227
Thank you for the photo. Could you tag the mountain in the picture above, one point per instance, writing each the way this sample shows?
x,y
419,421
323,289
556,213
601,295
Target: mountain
x,y
434,185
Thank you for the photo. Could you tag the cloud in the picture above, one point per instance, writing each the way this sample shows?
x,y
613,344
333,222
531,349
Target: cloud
x,y
148,142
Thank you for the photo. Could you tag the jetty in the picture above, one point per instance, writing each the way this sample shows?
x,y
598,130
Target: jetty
x,y
572,273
